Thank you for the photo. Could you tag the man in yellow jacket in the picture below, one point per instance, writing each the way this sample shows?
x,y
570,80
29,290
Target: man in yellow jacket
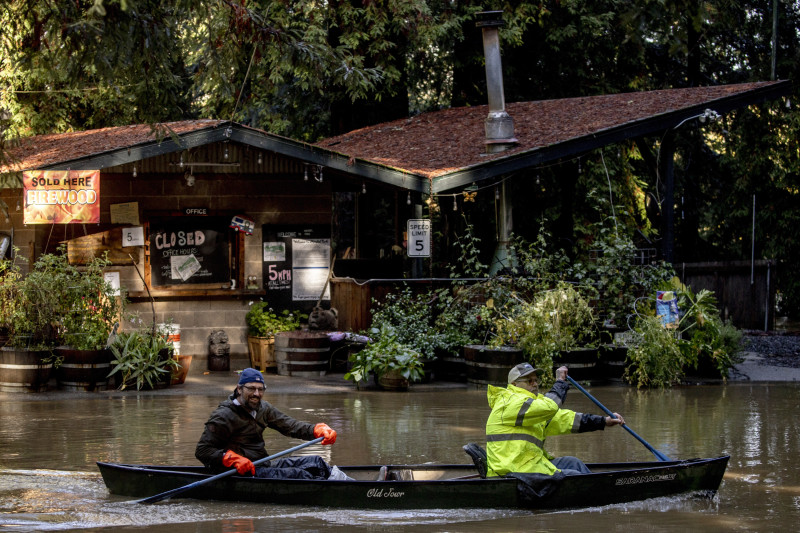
x,y
522,419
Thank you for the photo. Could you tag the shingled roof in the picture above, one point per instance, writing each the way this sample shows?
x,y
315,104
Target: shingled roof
x,y
42,151
448,146
430,152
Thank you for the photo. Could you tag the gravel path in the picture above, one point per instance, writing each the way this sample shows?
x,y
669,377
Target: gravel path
x,y
776,348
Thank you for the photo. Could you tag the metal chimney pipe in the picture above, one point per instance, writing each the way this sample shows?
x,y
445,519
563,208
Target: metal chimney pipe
x,y
499,125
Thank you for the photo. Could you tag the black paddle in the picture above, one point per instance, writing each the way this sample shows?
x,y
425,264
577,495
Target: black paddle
x,y
173,492
660,456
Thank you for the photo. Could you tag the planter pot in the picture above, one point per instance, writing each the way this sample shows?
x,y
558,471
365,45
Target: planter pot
x,y
583,364
428,371
24,370
179,374
262,352
392,380
83,370
302,353
451,368
490,366
612,360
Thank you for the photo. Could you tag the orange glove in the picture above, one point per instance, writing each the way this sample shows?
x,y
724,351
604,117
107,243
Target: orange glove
x,y
322,430
242,465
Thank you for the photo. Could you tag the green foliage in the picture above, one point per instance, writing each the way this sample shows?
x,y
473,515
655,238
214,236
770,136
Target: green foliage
x,y
57,302
263,321
615,274
655,359
11,304
383,354
555,320
540,264
659,356
706,341
142,358
459,321
469,264
409,318
92,308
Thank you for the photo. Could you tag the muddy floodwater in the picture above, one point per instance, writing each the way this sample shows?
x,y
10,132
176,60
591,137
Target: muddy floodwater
x,y
49,481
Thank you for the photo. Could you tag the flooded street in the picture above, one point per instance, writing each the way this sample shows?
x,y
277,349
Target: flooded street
x,y
49,481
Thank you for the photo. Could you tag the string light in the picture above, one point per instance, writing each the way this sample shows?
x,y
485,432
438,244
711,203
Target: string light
x,y
180,164
408,200
225,154
260,160
455,205
305,173
363,188
538,180
134,170
496,193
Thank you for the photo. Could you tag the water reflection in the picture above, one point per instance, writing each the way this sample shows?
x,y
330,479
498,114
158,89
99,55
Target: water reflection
x,y
48,479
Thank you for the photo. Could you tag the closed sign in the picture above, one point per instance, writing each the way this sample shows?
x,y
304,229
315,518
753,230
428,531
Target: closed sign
x,y
419,237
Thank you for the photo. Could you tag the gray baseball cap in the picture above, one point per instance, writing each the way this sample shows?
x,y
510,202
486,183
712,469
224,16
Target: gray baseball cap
x,y
522,370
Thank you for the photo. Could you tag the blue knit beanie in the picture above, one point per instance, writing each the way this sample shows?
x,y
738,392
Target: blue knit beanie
x,y
251,375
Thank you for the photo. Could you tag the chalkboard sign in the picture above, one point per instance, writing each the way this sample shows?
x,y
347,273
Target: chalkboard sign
x,y
296,264
190,250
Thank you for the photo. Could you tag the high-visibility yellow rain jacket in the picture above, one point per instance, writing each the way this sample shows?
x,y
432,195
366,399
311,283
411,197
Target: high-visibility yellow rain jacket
x,y
521,421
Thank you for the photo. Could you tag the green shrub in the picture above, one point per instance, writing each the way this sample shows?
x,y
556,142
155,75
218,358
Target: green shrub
x,y
655,359
263,321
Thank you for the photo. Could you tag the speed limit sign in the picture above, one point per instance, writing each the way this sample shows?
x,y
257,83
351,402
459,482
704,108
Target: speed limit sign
x,y
419,237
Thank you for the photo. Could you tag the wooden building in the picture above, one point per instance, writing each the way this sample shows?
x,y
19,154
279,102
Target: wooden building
x,y
200,187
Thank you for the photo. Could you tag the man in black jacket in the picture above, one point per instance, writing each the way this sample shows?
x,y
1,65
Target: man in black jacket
x,y
233,436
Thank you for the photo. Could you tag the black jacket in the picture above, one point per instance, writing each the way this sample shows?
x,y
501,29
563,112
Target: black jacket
x,y
231,427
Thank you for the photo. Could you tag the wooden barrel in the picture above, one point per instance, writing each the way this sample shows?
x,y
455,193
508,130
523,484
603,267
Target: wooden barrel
x,y
489,365
613,360
392,380
83,370
302,353
23,370
451,368
583,364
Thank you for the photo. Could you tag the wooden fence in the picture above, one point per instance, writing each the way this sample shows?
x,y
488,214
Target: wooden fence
x,y
745,292
749,305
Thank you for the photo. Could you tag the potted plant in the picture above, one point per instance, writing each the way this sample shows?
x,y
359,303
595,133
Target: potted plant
x,y
29,318
90,315
263,322
414,320
395,365
143,358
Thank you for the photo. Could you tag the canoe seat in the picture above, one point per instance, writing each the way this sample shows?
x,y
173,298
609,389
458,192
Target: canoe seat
x,y
400,474
478,455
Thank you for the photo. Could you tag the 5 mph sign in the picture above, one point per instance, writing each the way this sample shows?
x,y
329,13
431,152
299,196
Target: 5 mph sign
x,y
419,237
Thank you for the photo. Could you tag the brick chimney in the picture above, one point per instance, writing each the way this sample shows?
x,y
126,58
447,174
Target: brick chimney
x,y
499,125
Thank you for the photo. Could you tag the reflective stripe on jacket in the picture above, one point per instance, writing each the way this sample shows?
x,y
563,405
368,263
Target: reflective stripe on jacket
x,y
518,426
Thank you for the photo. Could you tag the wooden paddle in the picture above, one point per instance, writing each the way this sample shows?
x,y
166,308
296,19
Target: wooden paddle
x,y
660,456
173,492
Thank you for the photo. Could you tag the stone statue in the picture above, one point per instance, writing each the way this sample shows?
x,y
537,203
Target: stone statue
x,y
323,319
